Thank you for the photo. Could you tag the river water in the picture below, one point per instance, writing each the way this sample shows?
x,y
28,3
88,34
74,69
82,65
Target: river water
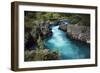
x,y
68,48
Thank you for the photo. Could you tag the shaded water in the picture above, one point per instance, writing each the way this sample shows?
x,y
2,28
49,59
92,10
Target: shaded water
x,y
68,49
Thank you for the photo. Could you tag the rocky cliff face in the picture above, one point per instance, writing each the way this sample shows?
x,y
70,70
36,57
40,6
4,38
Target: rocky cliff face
x,y
63,27
79,32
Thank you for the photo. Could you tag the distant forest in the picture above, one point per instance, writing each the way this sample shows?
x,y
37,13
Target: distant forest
x,y
33,18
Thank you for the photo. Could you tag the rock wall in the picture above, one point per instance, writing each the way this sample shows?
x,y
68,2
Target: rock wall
x,y
79,32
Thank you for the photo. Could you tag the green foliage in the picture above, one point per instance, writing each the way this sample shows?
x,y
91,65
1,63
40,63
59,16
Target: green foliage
x,y
38,55
85,20
26,37
29,55
81,19
40,43
52,56
75,21
35,18
52,16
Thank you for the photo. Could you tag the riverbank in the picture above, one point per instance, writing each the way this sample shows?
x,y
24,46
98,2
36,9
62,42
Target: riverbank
x,y
38,55
77,32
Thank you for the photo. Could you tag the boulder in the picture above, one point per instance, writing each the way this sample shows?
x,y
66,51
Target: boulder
x,y
63,27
